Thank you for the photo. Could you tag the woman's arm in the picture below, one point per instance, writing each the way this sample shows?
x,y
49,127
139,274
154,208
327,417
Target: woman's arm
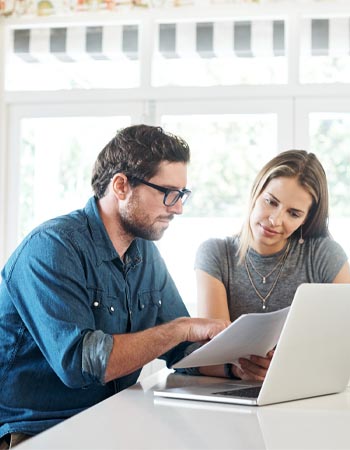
x,y
212,303
343,276
211,297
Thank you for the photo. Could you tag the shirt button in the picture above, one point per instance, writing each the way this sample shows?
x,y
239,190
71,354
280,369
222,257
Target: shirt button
x,y
96,303
111,309
160,302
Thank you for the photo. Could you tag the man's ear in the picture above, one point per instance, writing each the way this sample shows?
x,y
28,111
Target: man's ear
x,y
120,185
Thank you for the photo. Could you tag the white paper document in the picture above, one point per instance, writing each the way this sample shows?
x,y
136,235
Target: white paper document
x,y
250,334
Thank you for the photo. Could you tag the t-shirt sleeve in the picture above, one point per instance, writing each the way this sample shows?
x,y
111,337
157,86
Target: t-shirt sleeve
x,y
211,257
329,258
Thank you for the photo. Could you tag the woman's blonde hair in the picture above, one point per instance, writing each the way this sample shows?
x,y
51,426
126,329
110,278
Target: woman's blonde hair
x,y
307,169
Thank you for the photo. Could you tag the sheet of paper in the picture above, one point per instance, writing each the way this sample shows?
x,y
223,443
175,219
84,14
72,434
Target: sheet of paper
x,y
250,334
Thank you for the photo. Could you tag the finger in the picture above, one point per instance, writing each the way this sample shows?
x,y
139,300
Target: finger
x,y
259,361
270,354
249,376
216,326
246,375
251,368
237,372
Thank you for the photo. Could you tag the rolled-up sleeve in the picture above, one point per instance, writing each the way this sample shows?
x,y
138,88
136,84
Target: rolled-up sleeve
x,y
97,347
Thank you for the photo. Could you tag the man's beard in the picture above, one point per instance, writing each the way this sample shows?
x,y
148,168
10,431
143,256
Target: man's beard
x,y
138,224
138,230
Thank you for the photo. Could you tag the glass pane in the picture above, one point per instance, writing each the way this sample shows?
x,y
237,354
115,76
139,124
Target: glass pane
x,y
325,69
226,153
224,158
324,50
330,140
54,75
57,155
224,71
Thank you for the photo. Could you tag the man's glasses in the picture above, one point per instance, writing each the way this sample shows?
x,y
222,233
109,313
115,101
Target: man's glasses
x,y
171,196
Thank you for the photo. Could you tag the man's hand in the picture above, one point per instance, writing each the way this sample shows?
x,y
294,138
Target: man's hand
x,y
199,330
254,368
133,350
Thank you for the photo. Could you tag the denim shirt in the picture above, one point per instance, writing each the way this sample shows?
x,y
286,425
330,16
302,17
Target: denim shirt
x,y
64,293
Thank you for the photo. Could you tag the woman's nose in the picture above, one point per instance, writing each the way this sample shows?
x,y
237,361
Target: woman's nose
x,y
275,219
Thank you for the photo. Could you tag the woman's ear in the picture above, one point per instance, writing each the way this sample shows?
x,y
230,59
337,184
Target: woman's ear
x,y
120,185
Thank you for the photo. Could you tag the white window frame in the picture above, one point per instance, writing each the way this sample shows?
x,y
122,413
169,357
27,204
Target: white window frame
x,y
303,107
289,101
17,112
282,107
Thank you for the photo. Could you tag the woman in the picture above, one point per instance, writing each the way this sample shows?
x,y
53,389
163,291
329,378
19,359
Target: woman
x,y
284,242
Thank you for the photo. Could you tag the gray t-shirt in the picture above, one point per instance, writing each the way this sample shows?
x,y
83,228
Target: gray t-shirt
x,y
318,260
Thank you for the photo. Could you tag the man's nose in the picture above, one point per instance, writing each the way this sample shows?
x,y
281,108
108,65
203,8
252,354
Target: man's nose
x,y
177,208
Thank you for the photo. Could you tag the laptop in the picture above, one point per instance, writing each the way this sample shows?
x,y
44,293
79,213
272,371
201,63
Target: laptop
x,y
312,357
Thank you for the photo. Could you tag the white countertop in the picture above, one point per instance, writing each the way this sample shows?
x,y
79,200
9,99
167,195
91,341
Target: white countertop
x,y
135,419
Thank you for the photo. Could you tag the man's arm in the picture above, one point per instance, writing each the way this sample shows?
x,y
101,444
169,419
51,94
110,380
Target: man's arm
x,y
132,351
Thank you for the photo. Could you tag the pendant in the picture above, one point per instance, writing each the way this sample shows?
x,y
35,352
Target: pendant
x,y
264,280
263,306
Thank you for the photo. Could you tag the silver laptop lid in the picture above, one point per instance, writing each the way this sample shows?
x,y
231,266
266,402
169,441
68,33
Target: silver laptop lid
x,y
309,359
312,355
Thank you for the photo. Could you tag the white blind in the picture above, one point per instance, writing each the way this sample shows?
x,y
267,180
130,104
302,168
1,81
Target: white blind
x,y
214,39
69,44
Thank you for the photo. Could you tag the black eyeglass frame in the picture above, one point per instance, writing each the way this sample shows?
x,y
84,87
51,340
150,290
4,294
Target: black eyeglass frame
x,y
181,193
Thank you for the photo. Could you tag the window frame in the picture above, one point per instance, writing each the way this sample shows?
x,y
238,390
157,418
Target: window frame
x,y
17,112
146,103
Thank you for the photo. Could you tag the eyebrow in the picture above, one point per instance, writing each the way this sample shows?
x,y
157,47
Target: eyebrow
x,y
278,201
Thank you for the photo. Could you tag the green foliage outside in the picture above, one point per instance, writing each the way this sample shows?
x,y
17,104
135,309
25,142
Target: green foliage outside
x,y
227,152
330,141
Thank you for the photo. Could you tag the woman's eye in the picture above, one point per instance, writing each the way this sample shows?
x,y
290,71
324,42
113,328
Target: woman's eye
x,y
269,201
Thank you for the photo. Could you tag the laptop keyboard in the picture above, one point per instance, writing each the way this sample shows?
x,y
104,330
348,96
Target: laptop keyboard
x,y
250,392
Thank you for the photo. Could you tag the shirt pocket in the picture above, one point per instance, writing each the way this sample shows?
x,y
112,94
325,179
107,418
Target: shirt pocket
x,y
106,309
149,304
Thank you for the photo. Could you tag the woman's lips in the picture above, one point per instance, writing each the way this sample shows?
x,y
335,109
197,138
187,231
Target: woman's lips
x,y
269,231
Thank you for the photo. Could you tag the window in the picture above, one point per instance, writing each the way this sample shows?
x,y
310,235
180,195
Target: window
x,y
224,161
239,82
325,50
73,57
220,53
323,125
57,155
330,140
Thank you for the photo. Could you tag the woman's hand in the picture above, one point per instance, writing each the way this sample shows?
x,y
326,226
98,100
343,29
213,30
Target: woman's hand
x,y
254,368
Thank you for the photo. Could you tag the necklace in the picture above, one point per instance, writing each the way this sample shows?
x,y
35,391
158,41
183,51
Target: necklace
x,y
264,277
281,262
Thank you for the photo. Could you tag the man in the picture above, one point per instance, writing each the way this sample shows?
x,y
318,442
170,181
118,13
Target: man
x,y
86,299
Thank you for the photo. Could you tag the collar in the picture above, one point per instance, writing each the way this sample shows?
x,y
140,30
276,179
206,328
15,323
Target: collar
x,y
105,250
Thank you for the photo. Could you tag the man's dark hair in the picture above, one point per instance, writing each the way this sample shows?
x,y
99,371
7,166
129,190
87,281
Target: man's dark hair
x,y
136,151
